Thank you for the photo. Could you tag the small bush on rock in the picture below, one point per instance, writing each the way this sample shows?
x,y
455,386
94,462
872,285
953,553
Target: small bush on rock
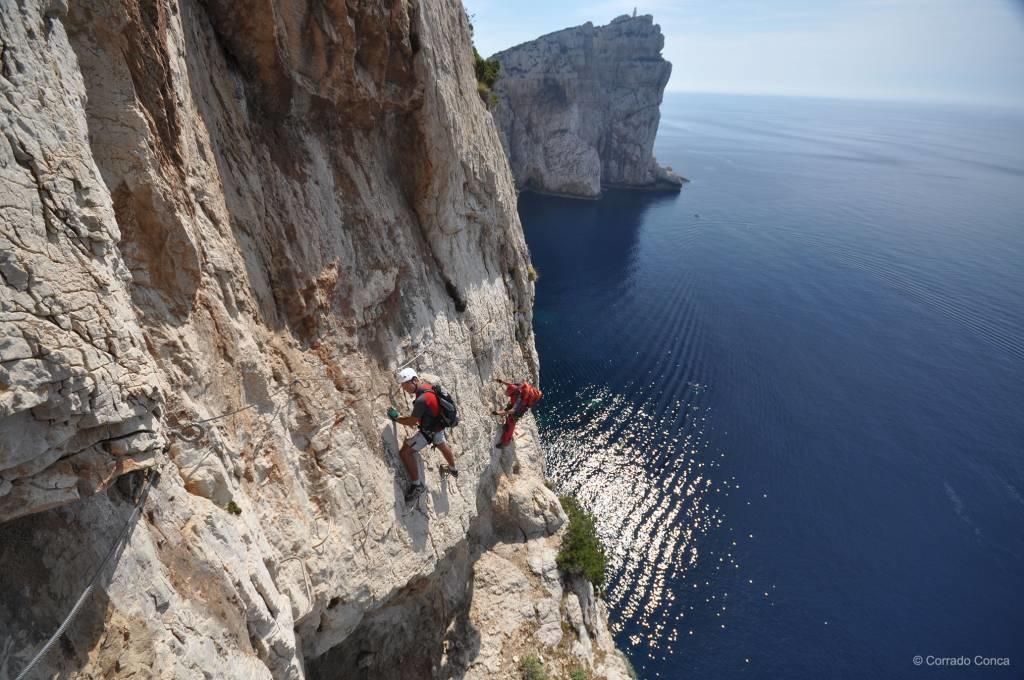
x,y
486,69
582,553
532,668
486,73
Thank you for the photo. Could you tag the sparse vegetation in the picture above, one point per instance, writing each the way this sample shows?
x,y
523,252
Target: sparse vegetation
x,y
486,69
532,273
582,553
233,508
578,674
532,668
486,73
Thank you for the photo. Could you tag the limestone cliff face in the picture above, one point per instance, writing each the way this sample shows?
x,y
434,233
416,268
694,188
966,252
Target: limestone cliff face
x,y
223,226
578,109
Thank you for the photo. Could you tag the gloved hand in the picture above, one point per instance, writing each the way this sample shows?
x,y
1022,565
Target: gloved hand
x,y
393,413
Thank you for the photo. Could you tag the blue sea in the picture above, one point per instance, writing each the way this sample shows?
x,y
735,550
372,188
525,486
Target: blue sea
x,y
793,394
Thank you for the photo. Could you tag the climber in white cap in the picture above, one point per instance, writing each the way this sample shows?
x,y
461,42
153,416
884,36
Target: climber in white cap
x,y
432,411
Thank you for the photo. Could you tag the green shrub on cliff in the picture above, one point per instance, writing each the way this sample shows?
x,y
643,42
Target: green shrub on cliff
x,y
486,73
486,69
582,553
532,668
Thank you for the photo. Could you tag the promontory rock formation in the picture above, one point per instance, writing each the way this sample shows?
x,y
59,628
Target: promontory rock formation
x,y
223,226
578,109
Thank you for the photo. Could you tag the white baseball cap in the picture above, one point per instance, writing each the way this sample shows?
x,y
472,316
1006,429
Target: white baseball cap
x,y
405,375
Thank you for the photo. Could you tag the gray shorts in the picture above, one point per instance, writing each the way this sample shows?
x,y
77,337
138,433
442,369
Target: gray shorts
x,y
419,440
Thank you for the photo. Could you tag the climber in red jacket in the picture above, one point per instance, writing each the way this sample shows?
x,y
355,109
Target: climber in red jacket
x,y
521,398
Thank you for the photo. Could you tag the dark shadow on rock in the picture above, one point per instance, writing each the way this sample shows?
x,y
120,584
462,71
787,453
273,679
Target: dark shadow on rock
x,y
423,630
462,642
439,493
413,516
406,636
46,562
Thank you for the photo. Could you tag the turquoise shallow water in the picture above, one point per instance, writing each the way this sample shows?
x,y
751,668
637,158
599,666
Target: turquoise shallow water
x,y
793,393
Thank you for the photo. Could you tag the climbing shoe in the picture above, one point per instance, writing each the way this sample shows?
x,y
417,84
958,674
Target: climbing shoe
x,y
413,492
448,470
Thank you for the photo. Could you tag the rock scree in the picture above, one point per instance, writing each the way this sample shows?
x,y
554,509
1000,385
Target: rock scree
x,y
223,227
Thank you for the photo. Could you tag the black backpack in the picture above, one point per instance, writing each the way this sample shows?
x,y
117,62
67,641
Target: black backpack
x,y
447,412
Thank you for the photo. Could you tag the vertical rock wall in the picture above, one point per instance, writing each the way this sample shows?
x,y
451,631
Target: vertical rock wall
x,y
223,226
578,109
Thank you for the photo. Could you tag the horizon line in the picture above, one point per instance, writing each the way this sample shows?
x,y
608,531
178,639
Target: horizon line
x,y
877,98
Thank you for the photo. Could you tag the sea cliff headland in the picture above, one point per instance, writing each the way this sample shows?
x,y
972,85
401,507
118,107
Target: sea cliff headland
x,y
578,109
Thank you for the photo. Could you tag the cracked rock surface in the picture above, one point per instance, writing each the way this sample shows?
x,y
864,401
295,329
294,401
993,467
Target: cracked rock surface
x,y
578,109
223,226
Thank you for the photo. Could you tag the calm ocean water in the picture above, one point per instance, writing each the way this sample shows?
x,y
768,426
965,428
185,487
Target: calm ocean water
x,y
793,393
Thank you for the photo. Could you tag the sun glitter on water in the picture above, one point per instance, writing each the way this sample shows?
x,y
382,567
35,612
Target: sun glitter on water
x,y
651,480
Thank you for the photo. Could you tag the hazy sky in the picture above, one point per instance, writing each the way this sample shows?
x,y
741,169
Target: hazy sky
x,y
957,50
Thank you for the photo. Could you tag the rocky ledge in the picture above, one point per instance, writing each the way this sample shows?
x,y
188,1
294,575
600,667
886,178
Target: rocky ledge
x,y
578,109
